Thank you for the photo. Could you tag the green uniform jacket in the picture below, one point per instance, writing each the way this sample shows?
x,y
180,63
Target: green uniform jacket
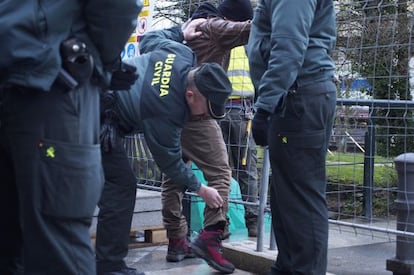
x,y
289,42
156,104
31,32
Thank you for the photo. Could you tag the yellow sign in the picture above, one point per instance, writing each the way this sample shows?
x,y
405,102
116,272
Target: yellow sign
x,y
146,3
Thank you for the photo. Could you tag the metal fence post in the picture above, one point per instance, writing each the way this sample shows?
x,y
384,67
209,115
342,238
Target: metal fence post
x,y
403,263
264,184
369,168
186,210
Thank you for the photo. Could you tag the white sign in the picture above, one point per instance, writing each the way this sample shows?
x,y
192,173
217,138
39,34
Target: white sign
x,y
144,22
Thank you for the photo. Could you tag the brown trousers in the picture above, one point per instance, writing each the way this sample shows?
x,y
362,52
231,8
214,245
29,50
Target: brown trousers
x,y
202,143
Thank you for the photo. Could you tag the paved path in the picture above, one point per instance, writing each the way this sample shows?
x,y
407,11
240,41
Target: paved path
x,y
351,252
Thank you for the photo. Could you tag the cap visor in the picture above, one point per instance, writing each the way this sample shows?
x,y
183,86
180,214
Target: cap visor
x,y
216,111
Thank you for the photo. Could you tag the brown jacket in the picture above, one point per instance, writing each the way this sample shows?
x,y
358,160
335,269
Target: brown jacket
x,y
218,38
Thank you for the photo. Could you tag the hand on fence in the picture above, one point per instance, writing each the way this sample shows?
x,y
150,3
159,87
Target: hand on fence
x,y
210,196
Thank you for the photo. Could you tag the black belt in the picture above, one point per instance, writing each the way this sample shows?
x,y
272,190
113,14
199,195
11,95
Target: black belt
x,y
239,102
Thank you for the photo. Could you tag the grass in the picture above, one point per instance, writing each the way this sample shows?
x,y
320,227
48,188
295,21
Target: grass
x,y
345,176
348,168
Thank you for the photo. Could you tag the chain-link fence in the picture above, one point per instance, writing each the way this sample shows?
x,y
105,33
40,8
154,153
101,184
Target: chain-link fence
x,y
374,122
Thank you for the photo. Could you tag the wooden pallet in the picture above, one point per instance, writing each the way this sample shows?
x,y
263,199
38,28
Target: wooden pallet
x,y
154,235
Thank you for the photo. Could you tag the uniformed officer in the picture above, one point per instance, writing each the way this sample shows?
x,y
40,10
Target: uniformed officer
x,y
169,90
289,48
219,36
54,57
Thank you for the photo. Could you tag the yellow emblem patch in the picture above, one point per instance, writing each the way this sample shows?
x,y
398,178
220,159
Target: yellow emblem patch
x,y
50,152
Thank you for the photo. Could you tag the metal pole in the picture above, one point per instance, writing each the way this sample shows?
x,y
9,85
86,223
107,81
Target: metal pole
x,y
186,210
264,185
403,263
368,180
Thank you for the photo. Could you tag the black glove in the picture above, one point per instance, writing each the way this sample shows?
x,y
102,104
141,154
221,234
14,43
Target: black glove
x,y
108,133
124,77
260,125
109,120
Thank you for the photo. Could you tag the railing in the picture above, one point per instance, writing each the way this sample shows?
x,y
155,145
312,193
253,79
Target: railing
x,y
374,59
356,201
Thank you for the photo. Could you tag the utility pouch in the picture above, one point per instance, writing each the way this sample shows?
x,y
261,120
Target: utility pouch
x,y
76,61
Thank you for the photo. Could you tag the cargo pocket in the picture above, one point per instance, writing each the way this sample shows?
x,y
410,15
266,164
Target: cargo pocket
x,y
302,152
73,178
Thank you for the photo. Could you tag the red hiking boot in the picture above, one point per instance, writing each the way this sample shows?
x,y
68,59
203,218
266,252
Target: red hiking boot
x,y
208,247
178,250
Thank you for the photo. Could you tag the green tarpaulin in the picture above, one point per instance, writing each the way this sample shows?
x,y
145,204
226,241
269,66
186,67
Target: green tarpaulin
x,y
235,213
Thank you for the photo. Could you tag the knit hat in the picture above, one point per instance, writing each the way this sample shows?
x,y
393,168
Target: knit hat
x,y
205,10
212,82
236,10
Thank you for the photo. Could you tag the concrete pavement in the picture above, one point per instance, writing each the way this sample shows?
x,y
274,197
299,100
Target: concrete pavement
x,y
351,252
